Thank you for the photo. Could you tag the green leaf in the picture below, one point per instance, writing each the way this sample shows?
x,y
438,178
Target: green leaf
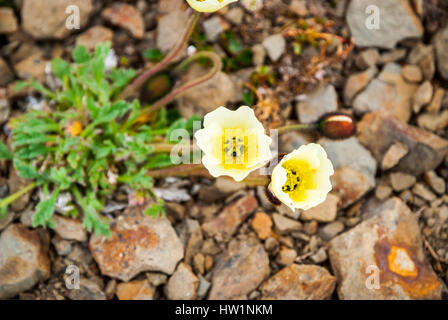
x,y
20,85
81,55
248,97
26,170
156,209
60,177
3,212
4,152
44,211
60,68
154,55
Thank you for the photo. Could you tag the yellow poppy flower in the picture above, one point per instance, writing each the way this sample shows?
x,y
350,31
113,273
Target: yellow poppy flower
x,y
301,180
209,5
233,142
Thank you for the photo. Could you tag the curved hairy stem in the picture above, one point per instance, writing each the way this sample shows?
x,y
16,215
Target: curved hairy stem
x,y
217,66
137,83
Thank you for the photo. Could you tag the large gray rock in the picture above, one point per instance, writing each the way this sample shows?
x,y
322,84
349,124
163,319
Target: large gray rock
x,y
23,260
46,19
138,243
397,22
383,258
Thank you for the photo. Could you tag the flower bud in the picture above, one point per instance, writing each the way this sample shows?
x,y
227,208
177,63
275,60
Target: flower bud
x,y
336,125
156,87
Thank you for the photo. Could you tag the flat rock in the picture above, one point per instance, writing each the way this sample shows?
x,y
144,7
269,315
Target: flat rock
x,y
324,212
317,103
299,282
183,284
440,42
69,229
23,260
357,82
412,73
94,35
136,290
396,19
226,223
393,155
354,176
207,96
32,67
401,181
8,21
275,46
241,269
127,17
213,27
389,91
88,290
170,29
422,96
379,130
390,243
46,19
138,243
16,183
285,225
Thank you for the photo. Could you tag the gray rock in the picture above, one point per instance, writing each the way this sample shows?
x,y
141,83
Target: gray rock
x,y
285,225
241,269
170,29
183,284
275,46
387,92
23,260
330,230
379,130
422,96
440,42
397,22
213,28
88,290
69,229
46,19
317,103
341,154
138,243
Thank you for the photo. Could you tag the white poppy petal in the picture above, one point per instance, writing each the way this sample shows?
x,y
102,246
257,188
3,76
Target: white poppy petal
x,y
209,5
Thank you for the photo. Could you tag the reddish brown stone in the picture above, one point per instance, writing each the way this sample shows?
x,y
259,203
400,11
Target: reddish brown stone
x,y
138,243
226,223
23,260
127,17
135,290
389,243
299,282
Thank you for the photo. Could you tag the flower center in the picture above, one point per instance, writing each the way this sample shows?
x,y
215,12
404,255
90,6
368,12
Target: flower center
x,y
235,145
300,178
292,181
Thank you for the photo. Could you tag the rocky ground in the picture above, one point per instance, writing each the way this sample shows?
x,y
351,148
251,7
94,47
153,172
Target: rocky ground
x,y
389,206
